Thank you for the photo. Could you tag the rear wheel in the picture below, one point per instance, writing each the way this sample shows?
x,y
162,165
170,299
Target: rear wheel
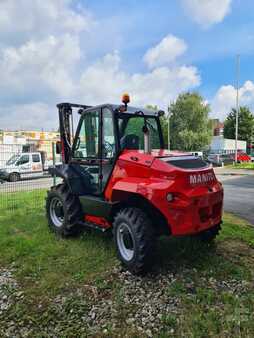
x,y
63,211
209,235
14,177
134,239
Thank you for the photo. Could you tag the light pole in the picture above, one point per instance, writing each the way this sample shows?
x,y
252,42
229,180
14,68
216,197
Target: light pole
x,y
169,114
237,104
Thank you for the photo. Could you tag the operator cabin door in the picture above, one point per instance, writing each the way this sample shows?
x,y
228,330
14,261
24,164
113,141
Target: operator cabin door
x,y
108,145
23,165
87,151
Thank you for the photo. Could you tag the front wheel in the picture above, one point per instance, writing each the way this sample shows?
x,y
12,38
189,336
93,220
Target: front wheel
x,y
63,211
134,239
14,177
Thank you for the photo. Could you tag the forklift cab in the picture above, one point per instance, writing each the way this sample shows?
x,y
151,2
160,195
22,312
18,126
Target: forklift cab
x,y
103,132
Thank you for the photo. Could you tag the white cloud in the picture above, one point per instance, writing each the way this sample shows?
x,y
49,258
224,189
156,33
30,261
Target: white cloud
x,y
105,81
26,70
40,65
225,99
102,82
207,12
42,62
165,52
27,16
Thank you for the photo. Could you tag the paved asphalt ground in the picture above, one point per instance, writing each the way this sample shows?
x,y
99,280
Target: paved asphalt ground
x,y
27,185
239,195
239,191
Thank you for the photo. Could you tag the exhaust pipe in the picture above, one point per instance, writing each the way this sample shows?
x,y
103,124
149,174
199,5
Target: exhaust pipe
x,y
147,145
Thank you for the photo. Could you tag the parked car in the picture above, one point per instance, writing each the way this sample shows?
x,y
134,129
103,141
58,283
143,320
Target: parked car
x,y
245,157
220,159
24,165
251,157
224,159
241,157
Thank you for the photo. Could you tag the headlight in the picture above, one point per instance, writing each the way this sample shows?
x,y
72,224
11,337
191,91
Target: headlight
x,y
170,197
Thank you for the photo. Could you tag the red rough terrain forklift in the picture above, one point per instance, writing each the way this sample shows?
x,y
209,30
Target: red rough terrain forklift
x,y
118,176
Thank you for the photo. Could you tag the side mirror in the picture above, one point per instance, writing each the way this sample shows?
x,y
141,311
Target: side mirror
x,y
58,147
161,113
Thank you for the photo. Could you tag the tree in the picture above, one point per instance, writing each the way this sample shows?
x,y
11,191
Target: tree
x,y
190,127
164,123
245,128
164,128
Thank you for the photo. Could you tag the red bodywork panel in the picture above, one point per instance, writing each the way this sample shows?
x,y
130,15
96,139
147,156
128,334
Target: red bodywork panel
x,y
100,221
198,196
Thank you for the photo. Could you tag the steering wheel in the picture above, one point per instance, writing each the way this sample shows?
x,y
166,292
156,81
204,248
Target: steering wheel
x,y
108,149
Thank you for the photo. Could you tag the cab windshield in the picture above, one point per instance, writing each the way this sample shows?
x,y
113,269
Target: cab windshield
x,y
131,131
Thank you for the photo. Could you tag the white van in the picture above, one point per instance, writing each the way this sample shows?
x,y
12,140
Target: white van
x,y
23,165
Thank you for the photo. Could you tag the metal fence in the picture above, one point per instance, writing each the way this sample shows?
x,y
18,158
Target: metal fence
x,y
24,177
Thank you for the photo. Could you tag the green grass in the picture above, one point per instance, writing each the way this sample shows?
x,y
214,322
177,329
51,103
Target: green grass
x,y
205,282
27,244
249,166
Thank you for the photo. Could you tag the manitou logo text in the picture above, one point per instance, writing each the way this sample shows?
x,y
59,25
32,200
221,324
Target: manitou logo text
x,y
201,178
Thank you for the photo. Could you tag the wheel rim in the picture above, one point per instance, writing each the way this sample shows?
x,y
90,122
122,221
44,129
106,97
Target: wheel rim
x,y
125,241
56,212
14,178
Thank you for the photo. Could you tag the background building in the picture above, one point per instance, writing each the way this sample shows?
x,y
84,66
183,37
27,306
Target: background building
x,y
218,127
222,145
29,140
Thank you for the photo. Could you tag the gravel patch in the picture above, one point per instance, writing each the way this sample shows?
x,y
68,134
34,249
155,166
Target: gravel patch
x,y
140,303
121,305
8,287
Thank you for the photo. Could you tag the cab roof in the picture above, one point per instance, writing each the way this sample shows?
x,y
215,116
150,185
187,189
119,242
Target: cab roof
x,y
116,108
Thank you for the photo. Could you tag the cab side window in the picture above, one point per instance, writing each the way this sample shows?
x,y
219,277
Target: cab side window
x,y
36,158
132,136
88,138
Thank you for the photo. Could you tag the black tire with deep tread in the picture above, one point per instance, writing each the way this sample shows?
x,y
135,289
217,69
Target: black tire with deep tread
x,y
14,177
209,235
143,235
71,207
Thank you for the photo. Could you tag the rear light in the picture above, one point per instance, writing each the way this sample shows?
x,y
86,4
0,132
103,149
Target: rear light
x,y
170,197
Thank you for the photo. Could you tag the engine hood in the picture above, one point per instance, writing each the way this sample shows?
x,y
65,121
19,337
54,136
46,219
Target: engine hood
x,y
147,159
6,167
184,169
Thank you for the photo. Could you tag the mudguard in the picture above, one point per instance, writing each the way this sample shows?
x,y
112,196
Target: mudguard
x,y
151,189
79,180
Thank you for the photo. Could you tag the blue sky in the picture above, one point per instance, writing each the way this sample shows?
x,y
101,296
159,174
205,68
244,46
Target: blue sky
x,y
212,49
92,51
